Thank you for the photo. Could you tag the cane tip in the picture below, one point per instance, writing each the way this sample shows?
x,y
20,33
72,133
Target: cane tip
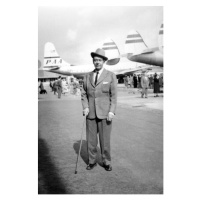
x,y
75,172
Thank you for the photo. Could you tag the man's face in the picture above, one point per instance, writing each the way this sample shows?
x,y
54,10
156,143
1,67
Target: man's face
x,y
98,63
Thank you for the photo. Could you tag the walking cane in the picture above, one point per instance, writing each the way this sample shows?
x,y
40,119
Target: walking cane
x,y
84,121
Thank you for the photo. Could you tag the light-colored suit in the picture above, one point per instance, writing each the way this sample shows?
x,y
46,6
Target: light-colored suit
x,y
59,88
100,99
144,84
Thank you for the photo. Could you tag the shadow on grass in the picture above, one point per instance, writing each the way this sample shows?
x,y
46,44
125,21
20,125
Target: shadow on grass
x,y
48,179
84,152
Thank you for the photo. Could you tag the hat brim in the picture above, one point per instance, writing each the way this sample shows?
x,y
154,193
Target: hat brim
x,y
95,54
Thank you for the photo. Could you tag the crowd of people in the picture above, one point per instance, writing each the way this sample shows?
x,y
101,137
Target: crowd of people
x,y
61,86
144,82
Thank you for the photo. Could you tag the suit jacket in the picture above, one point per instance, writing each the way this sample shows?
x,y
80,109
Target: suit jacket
x,y
102,98
145,82
59,84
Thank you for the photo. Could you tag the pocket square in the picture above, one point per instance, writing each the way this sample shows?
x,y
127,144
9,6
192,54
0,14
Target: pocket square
x,y
105,82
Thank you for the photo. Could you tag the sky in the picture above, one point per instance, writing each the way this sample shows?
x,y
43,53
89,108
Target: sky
x,y
78,31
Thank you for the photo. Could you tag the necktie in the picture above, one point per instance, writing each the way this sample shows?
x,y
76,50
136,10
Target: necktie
x,y
96,78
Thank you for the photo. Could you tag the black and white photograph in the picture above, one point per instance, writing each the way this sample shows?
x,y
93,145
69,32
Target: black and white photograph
x,y
100,100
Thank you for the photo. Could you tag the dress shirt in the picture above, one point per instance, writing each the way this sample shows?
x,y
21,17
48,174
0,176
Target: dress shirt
x,y
100,71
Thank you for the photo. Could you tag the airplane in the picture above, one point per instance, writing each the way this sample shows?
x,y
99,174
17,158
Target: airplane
x,y
137,51
54,63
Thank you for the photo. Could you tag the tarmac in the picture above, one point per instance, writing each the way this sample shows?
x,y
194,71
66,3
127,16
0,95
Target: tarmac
x,y
136,146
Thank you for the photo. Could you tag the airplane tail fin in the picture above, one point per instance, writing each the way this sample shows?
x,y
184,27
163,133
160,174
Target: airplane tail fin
x,y
134,43
111,51
51,58
160,38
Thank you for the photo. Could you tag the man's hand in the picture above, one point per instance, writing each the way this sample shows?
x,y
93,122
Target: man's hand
x,y
110,116
86,111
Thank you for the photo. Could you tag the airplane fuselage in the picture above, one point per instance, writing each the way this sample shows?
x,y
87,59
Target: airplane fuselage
x,y
153,58
67,73
80,71
116,64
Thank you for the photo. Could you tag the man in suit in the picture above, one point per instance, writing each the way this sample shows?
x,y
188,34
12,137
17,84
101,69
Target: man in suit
x,y
99,99
144,84
55,89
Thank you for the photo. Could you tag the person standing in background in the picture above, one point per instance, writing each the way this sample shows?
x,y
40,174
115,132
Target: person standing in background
x,y
144,84
151,81
55,87
131,81
41,86
59,87
135,81
139,81
51,86
126,81
156,85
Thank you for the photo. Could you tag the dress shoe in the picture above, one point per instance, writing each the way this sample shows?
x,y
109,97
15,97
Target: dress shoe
x,y
91,166
107,167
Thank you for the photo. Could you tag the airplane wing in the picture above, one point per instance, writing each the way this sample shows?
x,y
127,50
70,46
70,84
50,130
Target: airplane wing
x,y
140,68
50,68
150,50
146,51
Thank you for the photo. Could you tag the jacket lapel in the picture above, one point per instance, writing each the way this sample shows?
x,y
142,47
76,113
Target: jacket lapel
x,y
91,79
103,75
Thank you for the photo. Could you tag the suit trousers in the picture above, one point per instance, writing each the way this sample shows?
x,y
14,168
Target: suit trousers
x,y
144,92
103,127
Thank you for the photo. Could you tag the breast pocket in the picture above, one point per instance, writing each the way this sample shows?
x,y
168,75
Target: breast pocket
x,y
105,87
